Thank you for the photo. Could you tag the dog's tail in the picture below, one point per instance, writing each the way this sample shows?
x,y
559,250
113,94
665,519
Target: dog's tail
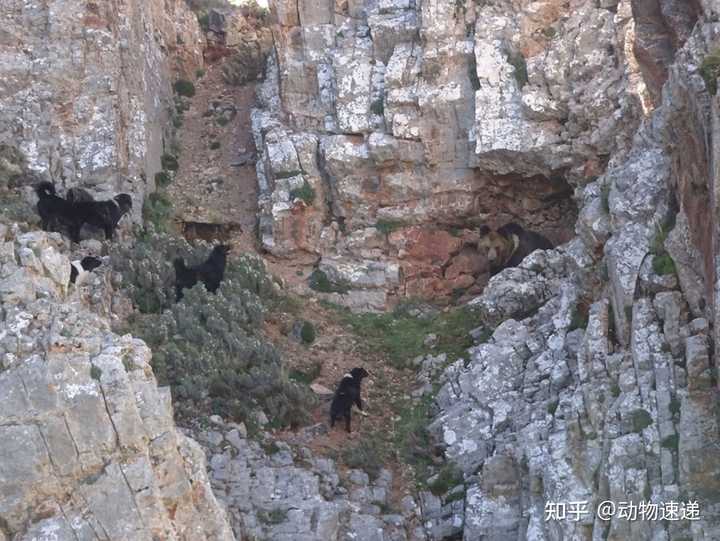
x,y
45,188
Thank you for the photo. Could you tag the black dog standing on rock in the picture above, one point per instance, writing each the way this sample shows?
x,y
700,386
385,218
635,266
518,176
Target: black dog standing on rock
x,y
210,273
103,214
347,394
52,208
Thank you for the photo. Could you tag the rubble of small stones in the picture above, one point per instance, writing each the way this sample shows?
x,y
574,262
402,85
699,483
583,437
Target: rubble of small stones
x,y
285,492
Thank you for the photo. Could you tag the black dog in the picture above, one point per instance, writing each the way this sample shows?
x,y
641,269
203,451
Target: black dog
x,y
209,273
347,394
79,209
81,267
103,214
53,209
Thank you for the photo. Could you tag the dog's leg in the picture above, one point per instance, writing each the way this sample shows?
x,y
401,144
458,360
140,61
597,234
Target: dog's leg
x,y
108,232
347,422
75,232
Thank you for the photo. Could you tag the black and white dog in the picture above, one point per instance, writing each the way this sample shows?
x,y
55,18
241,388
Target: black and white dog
x,y
80,268
79,209
210,273
347,394
102,214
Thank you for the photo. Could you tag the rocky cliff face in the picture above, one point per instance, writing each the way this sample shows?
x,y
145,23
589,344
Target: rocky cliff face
x,y
85,88
608,391
89,446
411,123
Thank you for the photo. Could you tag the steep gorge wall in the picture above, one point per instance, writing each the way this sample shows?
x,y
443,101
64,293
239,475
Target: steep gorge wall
x,y
85,87
414,122
608,390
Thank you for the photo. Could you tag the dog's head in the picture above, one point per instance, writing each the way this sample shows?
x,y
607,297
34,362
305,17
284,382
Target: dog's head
x,y
124,201
90,263
359,373
221,249
45,188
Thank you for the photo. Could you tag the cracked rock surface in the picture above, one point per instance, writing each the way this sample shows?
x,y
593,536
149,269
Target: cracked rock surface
x,y
89,445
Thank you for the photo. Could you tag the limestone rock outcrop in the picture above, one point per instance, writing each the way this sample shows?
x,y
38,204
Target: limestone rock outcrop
x,y
596,383
425,119
89,446
85,88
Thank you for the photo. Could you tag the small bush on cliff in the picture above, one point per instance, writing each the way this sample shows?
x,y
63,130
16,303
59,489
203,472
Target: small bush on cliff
x,y
710,71
388,226
517,61
448,477
305,193
208,347
14,175
307,333
158,211
377,107
169,162
162,179
183,87
319,281
663,264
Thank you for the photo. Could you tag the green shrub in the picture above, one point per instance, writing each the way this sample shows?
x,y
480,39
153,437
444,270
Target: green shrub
x,y
605,197
319,281
95,372
369,454
222,120
306,376
209,347
204,21
553,406
162,179
306,193
710,71
411,437
674,406
199,73
388,226
615,389
158,210
549,32
448,477
580,317
215,145
307,332
663,264
671,442
276,516
377,107
517,61
183,87
169,162
640,420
